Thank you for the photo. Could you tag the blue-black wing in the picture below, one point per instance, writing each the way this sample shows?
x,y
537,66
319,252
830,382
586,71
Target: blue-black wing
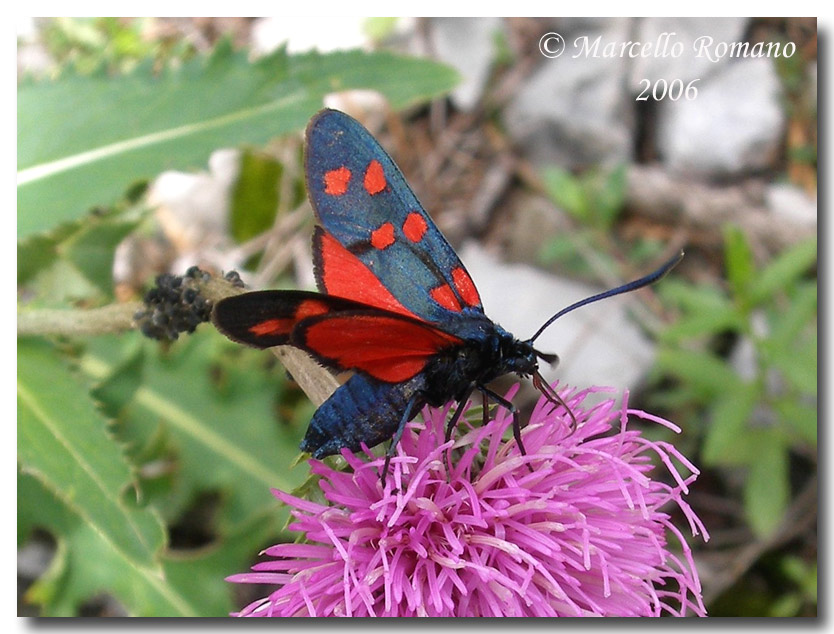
x,y
378,245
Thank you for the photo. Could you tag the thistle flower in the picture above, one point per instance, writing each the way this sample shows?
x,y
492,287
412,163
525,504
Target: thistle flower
x,y
476,532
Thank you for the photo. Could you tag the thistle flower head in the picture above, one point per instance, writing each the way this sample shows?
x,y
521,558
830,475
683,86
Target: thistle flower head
x,y
584,530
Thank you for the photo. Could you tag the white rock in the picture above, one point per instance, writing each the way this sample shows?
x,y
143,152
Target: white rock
x,y
790,204
193,208
686,66
734,125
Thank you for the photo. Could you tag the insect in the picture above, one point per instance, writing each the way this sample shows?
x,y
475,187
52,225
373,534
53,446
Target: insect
x,y
396,305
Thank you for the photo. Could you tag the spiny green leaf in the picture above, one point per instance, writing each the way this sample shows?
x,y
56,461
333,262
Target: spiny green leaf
x,y
87,565
215,415
82,140
88,245
63,441
92,250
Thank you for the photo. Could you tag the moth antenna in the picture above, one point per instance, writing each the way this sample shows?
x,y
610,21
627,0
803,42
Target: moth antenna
x,y
651,278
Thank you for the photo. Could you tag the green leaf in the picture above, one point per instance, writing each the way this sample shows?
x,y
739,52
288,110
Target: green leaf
x,y
64,442
800,418
214,414
565,190
255,195
766,490
92,249
707,374
800,316
118,389
710,322
200,576
798,364
785,270
87,565
87,245
610,197
738,259
701,298
39,251
83,140
725,440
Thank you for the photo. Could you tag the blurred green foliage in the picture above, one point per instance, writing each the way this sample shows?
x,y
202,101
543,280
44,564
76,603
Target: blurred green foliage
x,y
116,45
595,199
759,404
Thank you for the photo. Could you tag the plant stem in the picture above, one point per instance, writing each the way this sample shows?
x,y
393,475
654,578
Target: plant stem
x,y
318,384
77,323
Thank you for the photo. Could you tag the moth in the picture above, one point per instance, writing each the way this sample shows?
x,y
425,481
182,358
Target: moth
x,y
395,304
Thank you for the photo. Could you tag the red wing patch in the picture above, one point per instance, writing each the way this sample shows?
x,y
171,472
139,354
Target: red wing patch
x,y
415,227
341,273
281,327
336,181
272,327
445,296
386,347
466,287
375,178
383,236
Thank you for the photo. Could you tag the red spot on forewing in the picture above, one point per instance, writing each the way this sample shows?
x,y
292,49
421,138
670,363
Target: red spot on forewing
x,y
445,296
374,178
466,287
272,327
336,181
387,347
341,273
310,308
383,236
415,227
282,326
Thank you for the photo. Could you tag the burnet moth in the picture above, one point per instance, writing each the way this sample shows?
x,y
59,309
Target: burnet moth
x,y
396,305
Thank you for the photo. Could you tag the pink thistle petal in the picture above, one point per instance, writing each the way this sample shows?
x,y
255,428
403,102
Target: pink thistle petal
x,y
476,533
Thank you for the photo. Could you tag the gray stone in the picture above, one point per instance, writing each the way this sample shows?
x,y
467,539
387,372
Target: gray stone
x,y
576,111
733,126
686,66
468,44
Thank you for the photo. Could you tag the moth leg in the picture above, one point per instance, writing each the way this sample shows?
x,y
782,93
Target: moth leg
x,y
514,411
485,400
395,440
453,421
450,426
